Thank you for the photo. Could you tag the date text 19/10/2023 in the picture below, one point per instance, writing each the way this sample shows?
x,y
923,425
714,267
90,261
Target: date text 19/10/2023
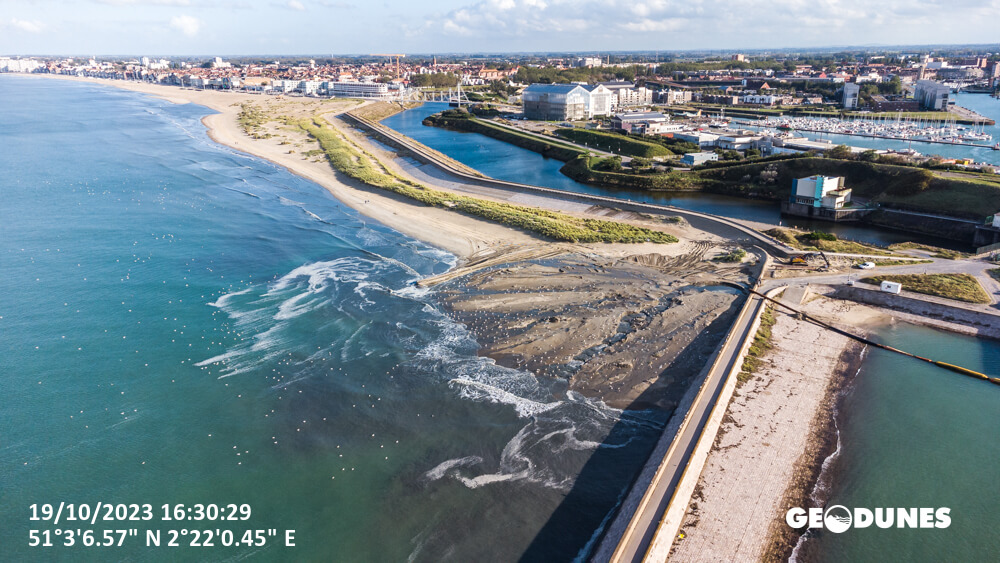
x,y
99,513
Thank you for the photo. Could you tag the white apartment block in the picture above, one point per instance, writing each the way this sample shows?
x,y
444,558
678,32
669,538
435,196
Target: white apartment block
x,y
18,65
347,89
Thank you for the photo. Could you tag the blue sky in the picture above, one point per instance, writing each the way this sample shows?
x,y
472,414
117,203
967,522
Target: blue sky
x,y
324,27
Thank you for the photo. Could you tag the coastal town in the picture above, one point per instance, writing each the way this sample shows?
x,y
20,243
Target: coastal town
x,y
624,306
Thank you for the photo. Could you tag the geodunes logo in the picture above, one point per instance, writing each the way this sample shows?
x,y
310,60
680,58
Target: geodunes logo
x,y
838,518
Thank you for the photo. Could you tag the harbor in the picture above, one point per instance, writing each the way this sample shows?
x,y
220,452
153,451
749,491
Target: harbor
x,y
898,133
898,129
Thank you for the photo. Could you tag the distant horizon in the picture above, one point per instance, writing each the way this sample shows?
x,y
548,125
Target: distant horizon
x,y
189,27
992,48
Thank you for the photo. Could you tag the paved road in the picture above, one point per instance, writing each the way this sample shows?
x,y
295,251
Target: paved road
x,y
976,268
641,530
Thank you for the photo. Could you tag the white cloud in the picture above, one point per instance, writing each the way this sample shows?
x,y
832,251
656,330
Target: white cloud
x,y
296,5
647,25
146,2
626,24
186,24
27,26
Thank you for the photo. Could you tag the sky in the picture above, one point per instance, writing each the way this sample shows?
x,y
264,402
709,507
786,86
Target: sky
x,y
342,27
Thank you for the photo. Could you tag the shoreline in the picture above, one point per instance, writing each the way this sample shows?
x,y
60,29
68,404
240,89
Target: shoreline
x,y
810,475
777,433
465,237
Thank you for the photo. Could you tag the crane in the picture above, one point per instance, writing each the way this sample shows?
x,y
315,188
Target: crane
x,y
398,56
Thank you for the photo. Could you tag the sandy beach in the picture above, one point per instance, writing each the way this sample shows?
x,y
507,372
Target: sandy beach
x,y
770,449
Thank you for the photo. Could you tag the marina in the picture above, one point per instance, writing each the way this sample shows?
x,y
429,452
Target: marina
x,y
898,129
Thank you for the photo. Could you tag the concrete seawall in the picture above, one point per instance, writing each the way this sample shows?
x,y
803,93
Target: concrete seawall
x,y
655,504
978,323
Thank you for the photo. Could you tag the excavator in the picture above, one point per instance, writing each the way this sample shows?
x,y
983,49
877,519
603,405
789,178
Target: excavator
x,y
803,260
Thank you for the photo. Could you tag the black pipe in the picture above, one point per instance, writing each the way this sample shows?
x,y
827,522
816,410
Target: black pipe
x,y
947,366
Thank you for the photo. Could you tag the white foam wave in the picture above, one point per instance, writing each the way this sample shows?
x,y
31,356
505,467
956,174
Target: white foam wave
x,y
294,307
290,202
224,299
412,291
514,464
441,469
479,391
320,274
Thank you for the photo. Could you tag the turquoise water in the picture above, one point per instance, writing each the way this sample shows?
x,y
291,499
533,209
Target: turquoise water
x,y
508,162
912,435
187,324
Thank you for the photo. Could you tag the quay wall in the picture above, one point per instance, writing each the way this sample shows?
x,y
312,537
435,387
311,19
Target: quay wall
x,y
980,323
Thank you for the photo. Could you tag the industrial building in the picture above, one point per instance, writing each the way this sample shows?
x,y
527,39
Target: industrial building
x,y
555,102
827,192
599,100
643,123
696,158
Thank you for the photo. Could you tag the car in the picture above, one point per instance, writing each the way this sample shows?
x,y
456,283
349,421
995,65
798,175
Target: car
x,y
866,265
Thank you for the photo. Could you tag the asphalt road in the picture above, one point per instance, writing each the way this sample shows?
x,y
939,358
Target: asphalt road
x,y
639,535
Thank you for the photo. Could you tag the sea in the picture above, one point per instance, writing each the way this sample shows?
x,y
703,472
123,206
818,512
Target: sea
x,y
911,435
186,325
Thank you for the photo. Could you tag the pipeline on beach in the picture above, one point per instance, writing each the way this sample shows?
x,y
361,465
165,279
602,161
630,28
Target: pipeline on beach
x,y
944,365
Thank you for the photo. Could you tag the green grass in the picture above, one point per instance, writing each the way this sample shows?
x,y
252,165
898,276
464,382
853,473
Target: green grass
x,y
821,241
252,119
380,110
734,256
878,262
902,187
614,142
936,251
960,287
582,169
759,347
994,273
559,226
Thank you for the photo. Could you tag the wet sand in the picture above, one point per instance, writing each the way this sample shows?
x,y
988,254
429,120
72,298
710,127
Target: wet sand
x,y
632,331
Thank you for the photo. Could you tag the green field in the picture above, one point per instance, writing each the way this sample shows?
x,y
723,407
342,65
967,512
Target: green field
x,y
616,143
960,287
